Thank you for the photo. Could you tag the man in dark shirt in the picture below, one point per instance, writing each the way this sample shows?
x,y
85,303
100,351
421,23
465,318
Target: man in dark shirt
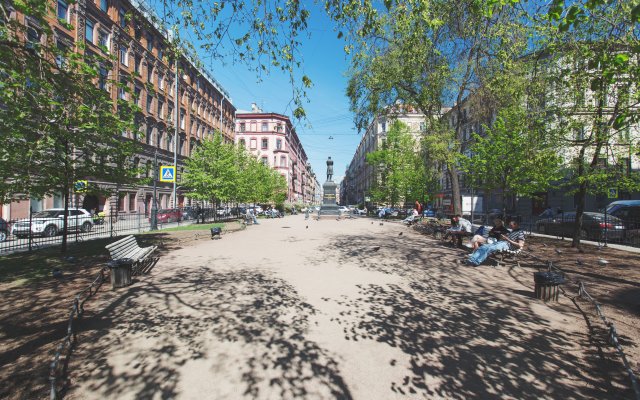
x,y
513,241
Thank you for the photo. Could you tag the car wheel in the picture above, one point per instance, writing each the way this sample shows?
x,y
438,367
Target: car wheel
x,y
86,227
3,236
542,229
50,231
584,234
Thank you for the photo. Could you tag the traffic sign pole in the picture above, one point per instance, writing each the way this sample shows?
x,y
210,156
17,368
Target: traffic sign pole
x,y
154,207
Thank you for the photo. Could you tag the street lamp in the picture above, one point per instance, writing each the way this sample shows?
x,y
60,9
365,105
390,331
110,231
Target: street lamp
x,y
154,207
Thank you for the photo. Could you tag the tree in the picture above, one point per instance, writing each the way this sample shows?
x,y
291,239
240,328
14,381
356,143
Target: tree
x,y
514,156
402,174
211,173
590,50
429,54
219,171
59,125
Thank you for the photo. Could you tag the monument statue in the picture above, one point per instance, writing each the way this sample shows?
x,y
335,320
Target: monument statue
x,y
329,206
329,169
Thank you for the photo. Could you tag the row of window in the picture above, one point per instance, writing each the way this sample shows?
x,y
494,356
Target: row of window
x,y
264,143
264,127
283,161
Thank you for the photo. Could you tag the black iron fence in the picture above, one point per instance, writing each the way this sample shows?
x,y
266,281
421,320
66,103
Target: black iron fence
x,y
45,229
596,226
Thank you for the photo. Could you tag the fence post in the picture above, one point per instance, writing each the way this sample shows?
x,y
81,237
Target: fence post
x,y
111,221
30,224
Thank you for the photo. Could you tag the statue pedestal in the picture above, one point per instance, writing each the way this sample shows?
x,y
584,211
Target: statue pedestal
x,y
329,207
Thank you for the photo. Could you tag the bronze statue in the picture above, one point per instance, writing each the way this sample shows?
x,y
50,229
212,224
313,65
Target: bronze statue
x,y
329,169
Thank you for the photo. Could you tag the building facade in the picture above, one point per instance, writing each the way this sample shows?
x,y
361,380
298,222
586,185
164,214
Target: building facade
x,y
360,176
140,50
272,138
618,152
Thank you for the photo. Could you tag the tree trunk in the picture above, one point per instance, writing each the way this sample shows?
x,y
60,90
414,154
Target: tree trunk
x,y
455,190
65,221
577,228
582,189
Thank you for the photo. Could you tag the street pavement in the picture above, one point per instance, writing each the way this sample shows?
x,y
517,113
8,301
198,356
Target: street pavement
x,y
348,309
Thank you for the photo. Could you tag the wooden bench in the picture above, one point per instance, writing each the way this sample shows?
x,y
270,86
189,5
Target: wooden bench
x,y
504,256
128,248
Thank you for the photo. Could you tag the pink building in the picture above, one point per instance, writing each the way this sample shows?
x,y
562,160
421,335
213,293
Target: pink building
x,y
273,139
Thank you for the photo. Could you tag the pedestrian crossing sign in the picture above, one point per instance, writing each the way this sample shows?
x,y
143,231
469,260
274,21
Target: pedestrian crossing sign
x,y
167,174
80,186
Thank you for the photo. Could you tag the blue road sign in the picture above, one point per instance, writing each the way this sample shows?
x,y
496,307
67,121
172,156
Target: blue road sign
x,y
167,174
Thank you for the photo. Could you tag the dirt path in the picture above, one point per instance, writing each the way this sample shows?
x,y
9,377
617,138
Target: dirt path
x,y
341,309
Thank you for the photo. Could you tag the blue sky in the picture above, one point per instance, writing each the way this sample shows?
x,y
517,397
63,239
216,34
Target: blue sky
x,y
328,115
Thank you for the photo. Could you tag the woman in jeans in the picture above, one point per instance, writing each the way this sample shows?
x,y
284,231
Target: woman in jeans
x,y
513,241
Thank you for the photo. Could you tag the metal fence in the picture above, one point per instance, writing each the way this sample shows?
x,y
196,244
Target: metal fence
x,y
612,333
35,232
56,368
597,227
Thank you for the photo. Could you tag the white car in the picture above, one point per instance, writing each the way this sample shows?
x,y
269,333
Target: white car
x,y
344,210
50,222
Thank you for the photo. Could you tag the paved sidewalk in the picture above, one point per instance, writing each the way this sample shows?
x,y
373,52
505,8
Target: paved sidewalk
x,y
344,309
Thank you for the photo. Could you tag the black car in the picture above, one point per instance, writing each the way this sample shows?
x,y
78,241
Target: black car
x,y
629,212
188,213
4,230
594,226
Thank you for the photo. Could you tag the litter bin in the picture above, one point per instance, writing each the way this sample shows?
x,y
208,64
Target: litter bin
x,y
120,272
546,285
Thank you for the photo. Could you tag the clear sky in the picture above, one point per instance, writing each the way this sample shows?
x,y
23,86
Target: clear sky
x,y
328,129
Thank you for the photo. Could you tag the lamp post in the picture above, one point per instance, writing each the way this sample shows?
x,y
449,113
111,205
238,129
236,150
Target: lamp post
x,y
154,207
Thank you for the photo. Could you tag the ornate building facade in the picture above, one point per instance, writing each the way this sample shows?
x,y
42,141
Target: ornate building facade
x,y
273,139
140,50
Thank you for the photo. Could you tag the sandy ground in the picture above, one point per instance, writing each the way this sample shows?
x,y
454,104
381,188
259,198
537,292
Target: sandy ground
x,y
342,309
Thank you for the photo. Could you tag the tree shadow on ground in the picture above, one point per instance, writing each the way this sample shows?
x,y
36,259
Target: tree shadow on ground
x,y
181,313
467,336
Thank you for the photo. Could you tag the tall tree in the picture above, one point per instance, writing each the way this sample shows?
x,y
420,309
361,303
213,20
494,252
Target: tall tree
x,y
430,54
58,122
401,174
514,156
590,53
211,173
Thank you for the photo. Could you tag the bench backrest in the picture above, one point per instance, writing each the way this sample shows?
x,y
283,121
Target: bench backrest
x,y
123,247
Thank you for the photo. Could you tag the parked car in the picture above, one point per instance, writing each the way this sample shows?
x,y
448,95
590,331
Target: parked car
x,y
4,230
167,215
428,212
189,213
223,211
238,211
344,210
629,212
594,226
360,211
49,223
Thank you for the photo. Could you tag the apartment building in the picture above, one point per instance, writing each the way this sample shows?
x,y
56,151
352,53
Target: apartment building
x,y
272,138
360,176
620,152
128,31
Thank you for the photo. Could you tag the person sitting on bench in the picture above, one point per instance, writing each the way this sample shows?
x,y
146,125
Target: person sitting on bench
x,y
493,236
513,241
460,228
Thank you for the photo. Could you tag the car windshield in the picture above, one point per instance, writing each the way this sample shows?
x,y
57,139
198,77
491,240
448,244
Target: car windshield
x,y
48,214
613,208
163,211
